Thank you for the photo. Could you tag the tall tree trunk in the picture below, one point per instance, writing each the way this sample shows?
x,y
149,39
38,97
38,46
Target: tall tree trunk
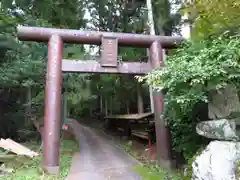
x,y
28,109
106,107
90,111
163,135
31,119
64,107
186,26
151,28
101,104
140,99
111,105
40,129
128,107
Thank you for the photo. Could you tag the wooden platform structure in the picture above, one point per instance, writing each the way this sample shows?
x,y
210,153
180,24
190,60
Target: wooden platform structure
x,y
139,125
135,117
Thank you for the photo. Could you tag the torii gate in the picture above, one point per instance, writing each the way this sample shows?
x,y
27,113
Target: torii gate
x,y
107,64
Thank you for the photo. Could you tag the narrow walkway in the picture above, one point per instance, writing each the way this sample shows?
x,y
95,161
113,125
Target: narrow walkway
x,y
99,158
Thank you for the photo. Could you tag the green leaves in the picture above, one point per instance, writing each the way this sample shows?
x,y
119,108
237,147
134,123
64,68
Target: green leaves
x,y
198,67
166,22
215,18
193,71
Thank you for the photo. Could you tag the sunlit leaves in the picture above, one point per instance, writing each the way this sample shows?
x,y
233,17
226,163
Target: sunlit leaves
x,y
193,71
197,68
214,17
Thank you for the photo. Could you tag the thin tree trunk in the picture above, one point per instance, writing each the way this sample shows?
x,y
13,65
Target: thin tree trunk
x,y
40,129
140,99
128,107
31,119
111,105
150,17
162,132
28,110
151,28
186,27
106,107
152,32
90,111
64,107
101,104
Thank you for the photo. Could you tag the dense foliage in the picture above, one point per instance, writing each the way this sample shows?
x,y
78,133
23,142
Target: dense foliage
x,y
190,74
23,69
23,64
212,17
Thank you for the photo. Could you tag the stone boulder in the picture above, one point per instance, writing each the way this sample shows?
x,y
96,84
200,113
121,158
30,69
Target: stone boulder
x,y
223,129
223,102
219,161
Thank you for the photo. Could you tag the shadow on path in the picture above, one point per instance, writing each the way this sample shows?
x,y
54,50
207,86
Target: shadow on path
x,y
99,158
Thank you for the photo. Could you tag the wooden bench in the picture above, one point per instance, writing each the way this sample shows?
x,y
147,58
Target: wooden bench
x,y
141,134
138,125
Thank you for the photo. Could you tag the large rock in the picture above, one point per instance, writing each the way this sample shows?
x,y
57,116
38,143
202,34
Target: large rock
x,y
220,159
223,129
217,162
223,102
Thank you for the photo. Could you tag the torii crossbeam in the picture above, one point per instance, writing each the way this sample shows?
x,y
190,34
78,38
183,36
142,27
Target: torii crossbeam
x,y
107,64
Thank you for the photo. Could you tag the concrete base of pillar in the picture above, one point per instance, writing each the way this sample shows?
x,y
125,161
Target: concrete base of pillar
x,y
51,169
165,164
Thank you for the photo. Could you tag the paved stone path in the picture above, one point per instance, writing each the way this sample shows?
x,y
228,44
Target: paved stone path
x,y
99,158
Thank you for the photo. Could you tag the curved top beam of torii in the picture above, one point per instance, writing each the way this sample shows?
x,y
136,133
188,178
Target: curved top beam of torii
x,y
40,34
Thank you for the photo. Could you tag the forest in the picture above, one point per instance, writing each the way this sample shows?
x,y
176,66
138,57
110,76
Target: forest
x,y
207,62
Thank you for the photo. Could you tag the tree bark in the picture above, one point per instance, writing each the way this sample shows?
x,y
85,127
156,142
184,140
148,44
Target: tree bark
x,y
128,107
28,108
101,104
151,28
106,107
111,105
140,99
30,118
163,141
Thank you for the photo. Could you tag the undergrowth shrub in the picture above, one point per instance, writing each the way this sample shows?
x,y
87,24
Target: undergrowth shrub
x,y
190,73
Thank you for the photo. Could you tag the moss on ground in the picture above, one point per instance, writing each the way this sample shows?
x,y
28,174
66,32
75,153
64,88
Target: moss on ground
x,y
154,173
31,169
237,170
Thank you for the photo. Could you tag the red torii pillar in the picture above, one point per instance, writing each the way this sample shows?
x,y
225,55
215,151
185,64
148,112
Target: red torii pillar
x,y
53,101
163,137
52,114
